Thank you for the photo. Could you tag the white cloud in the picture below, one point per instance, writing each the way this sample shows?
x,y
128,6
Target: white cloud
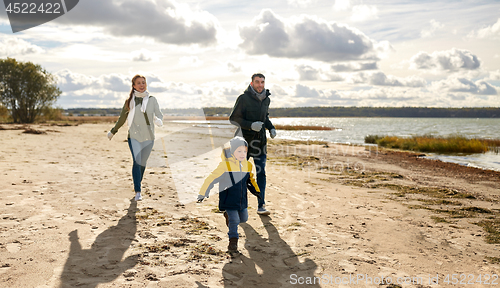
x,y
300,3
80,90
425,33
90,52
233,68
493,76
14,46
166,21
341,5
301,95
306,37
459,84
490,32
306,92
116,82
333,77
221,94
307,72
143,55
364,13
69,81
110,90
192,61
92,98
449,60
402,96
377,78
354,66
380,79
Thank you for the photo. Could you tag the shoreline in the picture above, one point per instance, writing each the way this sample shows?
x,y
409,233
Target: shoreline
x,y
429,156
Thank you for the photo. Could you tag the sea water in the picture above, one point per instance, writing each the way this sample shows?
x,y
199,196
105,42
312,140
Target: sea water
x,y
353,131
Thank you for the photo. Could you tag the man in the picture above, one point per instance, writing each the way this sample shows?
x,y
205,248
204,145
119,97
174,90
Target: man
x,y
250,114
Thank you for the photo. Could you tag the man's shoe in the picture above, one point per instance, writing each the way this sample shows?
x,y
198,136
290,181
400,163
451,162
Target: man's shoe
x,y
227,218
138,196
262,211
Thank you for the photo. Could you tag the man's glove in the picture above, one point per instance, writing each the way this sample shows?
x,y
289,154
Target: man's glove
x,y
272,133
110,135
200,198
256,126
158,122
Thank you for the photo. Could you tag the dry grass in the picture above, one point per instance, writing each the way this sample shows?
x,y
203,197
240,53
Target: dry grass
x,y
452,144
89,119
33,131
303,127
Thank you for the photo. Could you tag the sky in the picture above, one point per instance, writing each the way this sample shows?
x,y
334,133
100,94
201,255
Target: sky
x,y
313,52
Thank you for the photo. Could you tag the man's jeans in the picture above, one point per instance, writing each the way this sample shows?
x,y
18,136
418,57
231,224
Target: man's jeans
x,y
140,153
235,218
260,168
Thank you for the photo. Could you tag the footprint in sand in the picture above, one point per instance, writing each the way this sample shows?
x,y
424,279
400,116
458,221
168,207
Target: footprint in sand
x,y
13,247
348,266
4,268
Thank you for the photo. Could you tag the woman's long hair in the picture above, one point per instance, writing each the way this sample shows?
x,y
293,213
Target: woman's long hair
x,y
127,103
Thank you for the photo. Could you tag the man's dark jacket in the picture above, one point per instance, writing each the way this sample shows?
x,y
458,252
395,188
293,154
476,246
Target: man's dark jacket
x,y
248,109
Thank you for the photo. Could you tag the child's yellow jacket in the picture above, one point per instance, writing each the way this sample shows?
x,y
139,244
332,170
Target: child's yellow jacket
x,y
234,178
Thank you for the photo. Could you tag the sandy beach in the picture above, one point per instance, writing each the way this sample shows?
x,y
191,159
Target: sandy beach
x,y
342,216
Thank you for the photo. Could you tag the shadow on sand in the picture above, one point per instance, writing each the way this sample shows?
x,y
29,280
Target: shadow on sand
x,y
271,262
101,263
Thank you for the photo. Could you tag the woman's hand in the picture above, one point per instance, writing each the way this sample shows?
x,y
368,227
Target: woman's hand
x,y
158,122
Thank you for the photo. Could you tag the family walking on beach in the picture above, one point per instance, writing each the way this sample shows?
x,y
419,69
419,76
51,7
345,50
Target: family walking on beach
x,y
234,173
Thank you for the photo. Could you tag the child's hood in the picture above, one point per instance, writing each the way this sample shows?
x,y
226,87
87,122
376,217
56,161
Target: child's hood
x,y
227,156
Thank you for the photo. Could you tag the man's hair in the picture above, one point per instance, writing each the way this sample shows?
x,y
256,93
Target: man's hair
x,y
258,75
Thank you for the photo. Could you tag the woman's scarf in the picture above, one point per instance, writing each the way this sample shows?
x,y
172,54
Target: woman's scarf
x,y
145,98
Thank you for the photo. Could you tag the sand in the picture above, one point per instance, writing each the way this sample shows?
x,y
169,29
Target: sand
x,y
345,215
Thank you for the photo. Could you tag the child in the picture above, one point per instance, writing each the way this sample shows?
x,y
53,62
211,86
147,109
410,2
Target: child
x,y
234,175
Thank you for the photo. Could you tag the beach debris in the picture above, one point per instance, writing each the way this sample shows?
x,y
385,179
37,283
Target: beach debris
x,y
130,273
152,277
33,131
146,235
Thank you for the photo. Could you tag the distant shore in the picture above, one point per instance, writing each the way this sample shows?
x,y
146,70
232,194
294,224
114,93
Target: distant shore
x,y
406,112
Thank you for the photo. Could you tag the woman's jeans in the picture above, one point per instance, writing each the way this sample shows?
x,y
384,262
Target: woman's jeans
x,y
235,218
140,154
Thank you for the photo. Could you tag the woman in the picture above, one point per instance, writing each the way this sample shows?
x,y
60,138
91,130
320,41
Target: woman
x,y
140,110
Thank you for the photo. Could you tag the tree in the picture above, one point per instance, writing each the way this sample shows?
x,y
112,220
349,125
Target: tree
x,y
26,89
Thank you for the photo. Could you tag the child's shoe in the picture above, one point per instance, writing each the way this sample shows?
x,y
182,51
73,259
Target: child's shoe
x,y
233,245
